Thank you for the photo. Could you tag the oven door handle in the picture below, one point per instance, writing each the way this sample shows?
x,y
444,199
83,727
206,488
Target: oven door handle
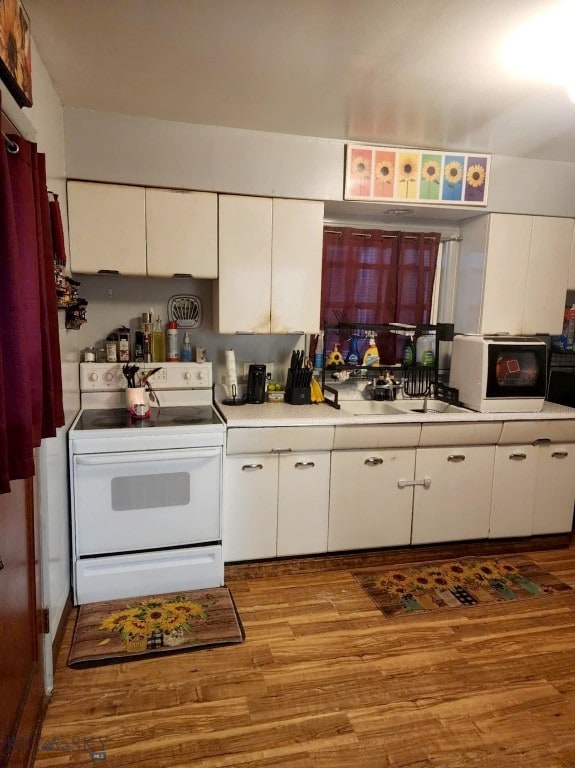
x,y
139,457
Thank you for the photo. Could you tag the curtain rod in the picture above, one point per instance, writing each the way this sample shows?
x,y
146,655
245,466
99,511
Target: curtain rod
x,y
456,239
11,146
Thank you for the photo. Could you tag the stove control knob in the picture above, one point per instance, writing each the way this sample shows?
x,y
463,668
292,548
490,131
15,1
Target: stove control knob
x,y
201,375
109,376
187,375
94,376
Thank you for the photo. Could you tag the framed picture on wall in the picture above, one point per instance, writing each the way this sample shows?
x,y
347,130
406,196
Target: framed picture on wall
x,y
15,51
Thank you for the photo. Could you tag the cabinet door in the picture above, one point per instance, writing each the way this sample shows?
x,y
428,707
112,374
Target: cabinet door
x,y
555,490
297,244
549,259
367,507
514,478
303,503
182,233
571,280
250,507
107,226
506,273
456,505
242,294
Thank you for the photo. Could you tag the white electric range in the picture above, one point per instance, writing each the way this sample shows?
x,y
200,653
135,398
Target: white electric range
x,y
146,492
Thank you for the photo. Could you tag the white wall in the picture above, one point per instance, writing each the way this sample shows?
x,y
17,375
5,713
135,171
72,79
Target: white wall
x,y
134,150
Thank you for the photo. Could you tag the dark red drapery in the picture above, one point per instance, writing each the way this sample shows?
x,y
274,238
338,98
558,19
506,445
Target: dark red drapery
x,y
374,276
30,372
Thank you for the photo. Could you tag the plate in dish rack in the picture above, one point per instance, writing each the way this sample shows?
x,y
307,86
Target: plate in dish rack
x,y
186,310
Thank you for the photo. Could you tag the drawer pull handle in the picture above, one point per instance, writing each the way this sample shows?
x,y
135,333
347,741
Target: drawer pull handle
x,y
251,467
541,441
517,456
560,454
456,457
426,482
373,461
304,464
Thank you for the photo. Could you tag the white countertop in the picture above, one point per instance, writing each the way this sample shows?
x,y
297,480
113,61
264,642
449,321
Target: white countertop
x,y
320,414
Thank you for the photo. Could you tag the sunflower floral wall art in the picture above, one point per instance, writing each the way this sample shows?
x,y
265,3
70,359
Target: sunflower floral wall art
x,y
15,51
420,176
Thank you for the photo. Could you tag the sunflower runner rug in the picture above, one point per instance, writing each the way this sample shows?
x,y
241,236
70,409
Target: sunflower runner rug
x,y
120,630
469,581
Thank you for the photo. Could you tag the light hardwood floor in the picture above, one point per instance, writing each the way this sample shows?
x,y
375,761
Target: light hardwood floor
x,y
323,680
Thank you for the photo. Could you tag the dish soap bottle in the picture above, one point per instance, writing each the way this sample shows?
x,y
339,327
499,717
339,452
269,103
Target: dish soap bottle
x,y
408,353
371,354
352,357
158,342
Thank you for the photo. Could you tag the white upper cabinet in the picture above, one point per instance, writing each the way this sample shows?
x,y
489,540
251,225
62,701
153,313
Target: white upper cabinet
x,y
243,292
142,231
182,233
571,280
107,227
512,274
270,255
297,244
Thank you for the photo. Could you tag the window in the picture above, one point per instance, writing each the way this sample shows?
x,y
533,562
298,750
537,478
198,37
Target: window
x,y
375,276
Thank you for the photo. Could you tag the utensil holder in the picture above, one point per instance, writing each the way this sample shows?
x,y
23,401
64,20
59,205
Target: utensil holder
x,y
138,402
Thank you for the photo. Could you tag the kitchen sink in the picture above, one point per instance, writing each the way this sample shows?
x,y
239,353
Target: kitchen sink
x,y
429,406
397,407
370,407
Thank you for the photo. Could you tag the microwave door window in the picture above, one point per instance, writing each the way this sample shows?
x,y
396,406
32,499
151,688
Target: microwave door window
x,y
519,372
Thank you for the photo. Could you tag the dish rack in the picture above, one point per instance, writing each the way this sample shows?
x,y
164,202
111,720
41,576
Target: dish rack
x,y
418,381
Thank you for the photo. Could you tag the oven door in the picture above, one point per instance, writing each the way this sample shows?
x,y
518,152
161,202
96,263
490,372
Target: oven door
x,y
143,500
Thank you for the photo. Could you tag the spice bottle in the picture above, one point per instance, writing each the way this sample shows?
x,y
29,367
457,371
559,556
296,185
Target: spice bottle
x,y
112,348
124,344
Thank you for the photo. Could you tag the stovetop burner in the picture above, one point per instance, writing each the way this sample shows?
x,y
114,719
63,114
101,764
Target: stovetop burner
x,y
119,418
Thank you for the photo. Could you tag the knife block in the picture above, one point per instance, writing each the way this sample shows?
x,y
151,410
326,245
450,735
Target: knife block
x,y
298,395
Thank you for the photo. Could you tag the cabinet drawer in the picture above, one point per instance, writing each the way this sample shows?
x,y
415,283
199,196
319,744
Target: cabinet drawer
x,y
377,436
516,432
468,433
277,439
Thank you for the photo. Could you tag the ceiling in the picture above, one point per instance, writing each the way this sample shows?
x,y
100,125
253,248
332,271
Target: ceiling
x,y
422,73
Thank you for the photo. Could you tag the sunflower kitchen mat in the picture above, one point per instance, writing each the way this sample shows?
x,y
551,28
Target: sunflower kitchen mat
x,y
469,581
121,630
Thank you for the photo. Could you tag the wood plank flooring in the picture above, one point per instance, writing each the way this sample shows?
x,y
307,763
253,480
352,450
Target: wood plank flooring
x,y
323,680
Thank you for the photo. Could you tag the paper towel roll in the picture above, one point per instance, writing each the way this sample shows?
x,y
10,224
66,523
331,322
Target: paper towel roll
x,y
231,374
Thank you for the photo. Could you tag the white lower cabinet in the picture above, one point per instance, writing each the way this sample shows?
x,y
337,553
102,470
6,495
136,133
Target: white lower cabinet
x,y
368,508
275,504
452,499
533,490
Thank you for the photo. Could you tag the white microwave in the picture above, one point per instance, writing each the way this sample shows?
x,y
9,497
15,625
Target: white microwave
x,y
499,374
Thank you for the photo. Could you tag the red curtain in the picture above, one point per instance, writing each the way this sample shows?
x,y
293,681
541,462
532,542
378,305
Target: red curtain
x,y
30,376
374,276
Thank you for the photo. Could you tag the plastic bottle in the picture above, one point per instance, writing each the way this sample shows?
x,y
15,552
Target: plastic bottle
x,y
352,357
425,349
371,354
186,353
173,354
408,353
158,342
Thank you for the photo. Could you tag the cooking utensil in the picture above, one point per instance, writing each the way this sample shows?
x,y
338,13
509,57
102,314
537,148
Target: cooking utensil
x,y
130,372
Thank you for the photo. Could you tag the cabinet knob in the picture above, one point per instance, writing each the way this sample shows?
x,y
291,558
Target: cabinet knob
x,y
373,461
251,467
517,456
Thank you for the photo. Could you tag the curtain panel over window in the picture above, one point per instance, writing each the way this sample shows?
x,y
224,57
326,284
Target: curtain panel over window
x,y
30,372
375,276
